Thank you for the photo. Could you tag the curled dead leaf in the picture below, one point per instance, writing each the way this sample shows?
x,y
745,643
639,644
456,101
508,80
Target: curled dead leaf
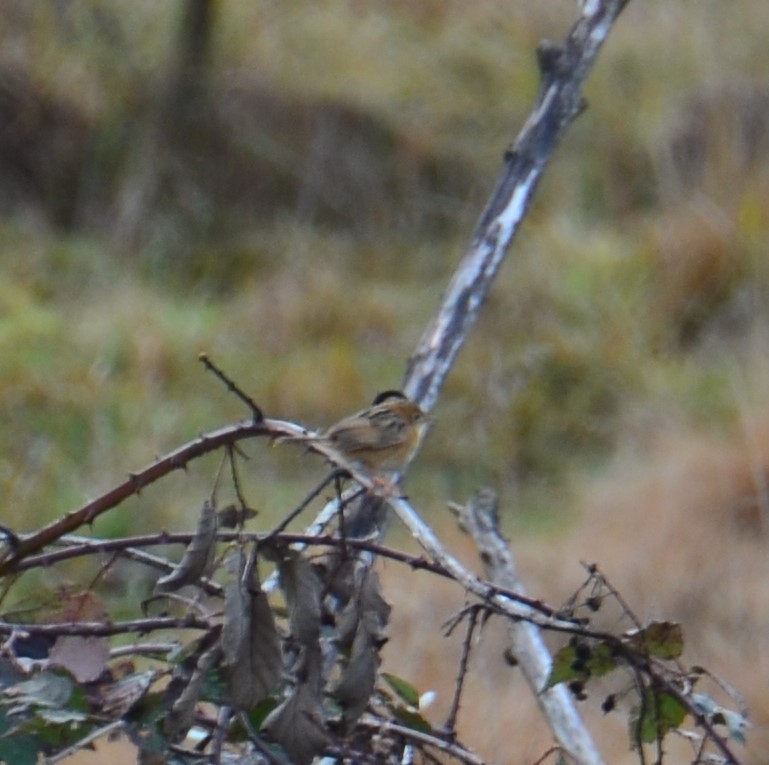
x,y
198,557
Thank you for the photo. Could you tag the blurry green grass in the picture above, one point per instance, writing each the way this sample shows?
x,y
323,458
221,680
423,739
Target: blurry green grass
x,y
575,351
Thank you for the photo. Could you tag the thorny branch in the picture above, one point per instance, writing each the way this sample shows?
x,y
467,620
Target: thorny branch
x,y
175,460
77,546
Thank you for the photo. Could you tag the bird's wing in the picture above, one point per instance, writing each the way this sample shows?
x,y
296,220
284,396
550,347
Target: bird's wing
x,y
369,430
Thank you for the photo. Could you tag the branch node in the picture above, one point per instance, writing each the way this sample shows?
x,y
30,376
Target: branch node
x,y
549,59
510,156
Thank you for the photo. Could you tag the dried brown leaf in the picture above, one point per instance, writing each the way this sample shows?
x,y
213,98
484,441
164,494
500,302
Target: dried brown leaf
x,y
361,629
252,660
356,684
370,607
376,610
301,588
78,607
85,657
340,577
297,724
236,611
198,557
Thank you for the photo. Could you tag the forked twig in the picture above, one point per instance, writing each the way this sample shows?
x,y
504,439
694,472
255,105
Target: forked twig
x,y
451,721
332,477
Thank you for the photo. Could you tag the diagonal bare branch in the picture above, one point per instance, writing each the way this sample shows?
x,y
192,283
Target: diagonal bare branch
x,y
564,71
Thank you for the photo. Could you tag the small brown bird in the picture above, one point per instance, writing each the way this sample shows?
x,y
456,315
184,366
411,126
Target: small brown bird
x,y
381,439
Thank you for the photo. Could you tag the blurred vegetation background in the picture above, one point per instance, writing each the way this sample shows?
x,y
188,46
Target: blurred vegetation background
x,y
288,186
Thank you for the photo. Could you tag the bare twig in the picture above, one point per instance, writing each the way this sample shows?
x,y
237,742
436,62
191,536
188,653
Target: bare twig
x,y
256,412
220,733
77,546
235,476
423,739
596,574
553,750
110,729
559,101
144,649
332,477
451,721
107,629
